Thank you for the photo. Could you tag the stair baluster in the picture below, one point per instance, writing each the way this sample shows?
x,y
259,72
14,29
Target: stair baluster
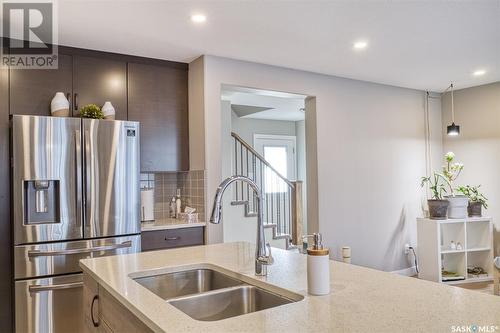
x,y
279,194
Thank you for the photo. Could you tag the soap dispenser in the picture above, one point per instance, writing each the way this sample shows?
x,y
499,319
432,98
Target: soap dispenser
x,y
318,266
178,203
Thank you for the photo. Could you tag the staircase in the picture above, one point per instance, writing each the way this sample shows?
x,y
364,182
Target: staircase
x,y
282,197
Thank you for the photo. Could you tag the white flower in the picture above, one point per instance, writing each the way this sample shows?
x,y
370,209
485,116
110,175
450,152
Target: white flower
x,y
449,156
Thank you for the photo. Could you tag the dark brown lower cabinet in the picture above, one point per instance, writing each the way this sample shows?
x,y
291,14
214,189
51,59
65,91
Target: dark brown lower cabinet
x,y
102,313
171,238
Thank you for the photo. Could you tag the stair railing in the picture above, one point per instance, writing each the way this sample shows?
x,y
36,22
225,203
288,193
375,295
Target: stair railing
x,y
282,197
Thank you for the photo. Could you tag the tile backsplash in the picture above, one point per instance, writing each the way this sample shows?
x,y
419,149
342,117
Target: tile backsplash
x,y
165,185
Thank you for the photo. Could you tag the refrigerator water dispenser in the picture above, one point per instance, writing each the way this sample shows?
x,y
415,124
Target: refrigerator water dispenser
x,y
41,201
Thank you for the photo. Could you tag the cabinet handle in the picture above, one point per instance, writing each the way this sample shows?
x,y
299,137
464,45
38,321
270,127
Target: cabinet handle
x,y
172,238
38,253
39,288
68,97
75,101
94,322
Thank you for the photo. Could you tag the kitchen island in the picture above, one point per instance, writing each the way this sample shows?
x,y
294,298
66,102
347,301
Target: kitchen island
x,y
361,300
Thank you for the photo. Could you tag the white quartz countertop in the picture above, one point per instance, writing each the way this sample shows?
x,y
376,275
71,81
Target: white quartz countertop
x,y
362,299
163,224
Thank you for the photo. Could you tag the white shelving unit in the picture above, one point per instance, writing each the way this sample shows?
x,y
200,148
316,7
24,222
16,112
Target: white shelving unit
x,y
434,252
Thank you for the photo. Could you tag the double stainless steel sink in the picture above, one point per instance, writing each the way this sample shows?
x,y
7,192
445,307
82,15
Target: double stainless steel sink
x,y
208,295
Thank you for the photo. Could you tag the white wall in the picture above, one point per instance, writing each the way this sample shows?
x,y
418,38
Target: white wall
x,y
477,111
238,228
300,132
196,86
370,148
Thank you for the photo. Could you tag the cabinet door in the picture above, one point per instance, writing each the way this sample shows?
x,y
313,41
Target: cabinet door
x,y
5,223
32,90
97,80
158,99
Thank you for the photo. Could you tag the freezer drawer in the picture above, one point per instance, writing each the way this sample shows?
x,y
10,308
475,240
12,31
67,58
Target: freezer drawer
x,y
62,258
50,305
111,164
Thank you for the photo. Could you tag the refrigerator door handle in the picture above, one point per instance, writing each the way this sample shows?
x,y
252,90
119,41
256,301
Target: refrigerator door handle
x,y
38,253
78,176
87,174
39,288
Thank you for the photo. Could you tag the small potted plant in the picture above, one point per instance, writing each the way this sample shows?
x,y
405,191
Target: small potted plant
x,y
477,200
91,111
438,205
458,203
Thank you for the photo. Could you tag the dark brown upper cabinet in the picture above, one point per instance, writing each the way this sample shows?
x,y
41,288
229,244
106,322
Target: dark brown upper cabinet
x,y
151,91
32,90
158,99
97,80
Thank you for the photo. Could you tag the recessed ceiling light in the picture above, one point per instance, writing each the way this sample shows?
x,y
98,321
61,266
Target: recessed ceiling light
x,y
479,72
360,45
198,18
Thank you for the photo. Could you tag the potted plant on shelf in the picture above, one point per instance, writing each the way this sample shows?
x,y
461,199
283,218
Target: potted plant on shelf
x,y
477,200
91,111
458,203
438,205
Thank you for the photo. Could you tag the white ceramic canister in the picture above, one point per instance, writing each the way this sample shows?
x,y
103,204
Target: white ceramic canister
x,y
318,267
457,208
108,110
59,106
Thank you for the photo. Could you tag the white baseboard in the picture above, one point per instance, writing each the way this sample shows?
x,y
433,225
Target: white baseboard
x,y
410,271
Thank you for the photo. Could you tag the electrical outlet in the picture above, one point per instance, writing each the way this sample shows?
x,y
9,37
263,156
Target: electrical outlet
x,y
407,248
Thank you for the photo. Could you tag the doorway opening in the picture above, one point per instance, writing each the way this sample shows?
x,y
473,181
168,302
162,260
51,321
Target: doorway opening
x,y
264,138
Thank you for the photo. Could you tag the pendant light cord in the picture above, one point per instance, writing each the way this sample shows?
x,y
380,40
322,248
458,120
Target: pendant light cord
x,y
428,165
427,136
452,105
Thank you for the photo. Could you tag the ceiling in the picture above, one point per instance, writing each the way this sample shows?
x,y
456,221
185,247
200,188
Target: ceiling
x,y
264,104
416,44
247,110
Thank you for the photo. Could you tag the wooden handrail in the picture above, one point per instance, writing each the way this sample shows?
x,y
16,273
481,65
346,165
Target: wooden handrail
x,y
297,223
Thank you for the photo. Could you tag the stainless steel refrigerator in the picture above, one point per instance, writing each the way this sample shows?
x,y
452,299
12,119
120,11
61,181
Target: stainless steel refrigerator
x,y
75,194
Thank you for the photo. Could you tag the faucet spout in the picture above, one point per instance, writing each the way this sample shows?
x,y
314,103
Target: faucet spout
x,y
262,259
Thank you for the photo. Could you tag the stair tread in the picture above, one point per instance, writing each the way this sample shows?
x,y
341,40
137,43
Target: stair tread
x,y
281,236
239,202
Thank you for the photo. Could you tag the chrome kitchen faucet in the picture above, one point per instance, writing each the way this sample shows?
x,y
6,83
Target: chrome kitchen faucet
x,y
262,259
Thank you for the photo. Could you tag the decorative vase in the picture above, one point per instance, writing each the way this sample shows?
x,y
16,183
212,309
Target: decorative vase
x,y
59,106
108,110
458,206
475,209
438,209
